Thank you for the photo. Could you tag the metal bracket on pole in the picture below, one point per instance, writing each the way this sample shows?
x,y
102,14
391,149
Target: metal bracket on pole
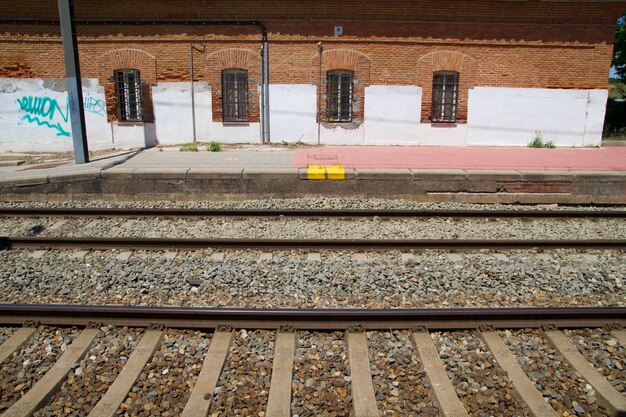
x,y
74,88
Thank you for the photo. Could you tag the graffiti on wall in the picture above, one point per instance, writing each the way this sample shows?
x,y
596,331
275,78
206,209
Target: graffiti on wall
x,y
46,111
94,105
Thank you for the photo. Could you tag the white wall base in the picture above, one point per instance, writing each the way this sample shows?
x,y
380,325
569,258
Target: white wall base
x,y
440,135
34,116
250,133
292,113
392,115
511,116
172,112
594,123
139,135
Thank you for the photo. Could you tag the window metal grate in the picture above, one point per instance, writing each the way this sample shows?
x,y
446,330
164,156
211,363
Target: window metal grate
x,y
339,96
128,92
235,95
445,96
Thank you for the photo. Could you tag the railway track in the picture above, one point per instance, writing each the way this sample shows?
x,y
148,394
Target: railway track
x,y
44,242
349,213
355,229
348,367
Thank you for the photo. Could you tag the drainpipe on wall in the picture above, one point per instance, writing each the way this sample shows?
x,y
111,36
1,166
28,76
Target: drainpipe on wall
x,y
262,100
193,101
319,95
265,67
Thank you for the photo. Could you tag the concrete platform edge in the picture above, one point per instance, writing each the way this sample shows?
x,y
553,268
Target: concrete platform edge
x,y
121,183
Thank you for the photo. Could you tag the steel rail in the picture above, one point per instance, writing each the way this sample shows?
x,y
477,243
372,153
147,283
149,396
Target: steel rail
x,y
176,212
44,242
311,319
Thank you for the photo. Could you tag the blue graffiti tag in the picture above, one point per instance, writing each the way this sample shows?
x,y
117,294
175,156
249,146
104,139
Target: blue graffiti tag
x,y
44,107
94,105
40,108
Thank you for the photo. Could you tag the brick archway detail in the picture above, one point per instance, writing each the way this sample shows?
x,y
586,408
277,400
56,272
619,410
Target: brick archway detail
x,y
127,58
447,61
234,58
342,59
456,61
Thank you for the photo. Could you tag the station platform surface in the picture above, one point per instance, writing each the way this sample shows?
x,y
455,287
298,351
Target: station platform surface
x,y
393,157
475,174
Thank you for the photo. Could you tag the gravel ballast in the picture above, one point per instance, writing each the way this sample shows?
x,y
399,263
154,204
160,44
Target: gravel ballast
x,y
328,228
562,387
5,333
400,383
91,377
302,203
165,383
604,352
480,383
23,370
244,385
430,279
321,377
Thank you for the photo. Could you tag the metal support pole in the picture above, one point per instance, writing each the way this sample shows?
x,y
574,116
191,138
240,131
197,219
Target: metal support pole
x,y
193,100
319,95
262,96
266,84
74,88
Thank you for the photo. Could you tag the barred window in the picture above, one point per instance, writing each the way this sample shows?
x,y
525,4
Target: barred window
x,y
339,96
235,95
128,93
445,96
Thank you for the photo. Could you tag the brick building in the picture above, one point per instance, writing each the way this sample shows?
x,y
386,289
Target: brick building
x,y
422,72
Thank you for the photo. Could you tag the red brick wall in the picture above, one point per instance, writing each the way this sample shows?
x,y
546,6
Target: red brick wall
x,y
532,43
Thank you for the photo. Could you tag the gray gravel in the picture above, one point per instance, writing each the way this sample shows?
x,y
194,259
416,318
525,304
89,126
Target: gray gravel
x,y
400,383
562,387
309,202
244,385
24,369
165,383
91,378
321,376
431,279
329,228
604,351
5,333
481,384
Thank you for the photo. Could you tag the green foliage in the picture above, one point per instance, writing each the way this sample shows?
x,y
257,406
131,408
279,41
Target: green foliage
x,y
538,142
619,50
189,147
214,147
617,89
614,120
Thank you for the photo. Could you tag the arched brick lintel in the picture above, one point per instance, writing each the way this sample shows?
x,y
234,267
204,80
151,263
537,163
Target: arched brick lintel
x,y
235,58
342,59
127,58
448,61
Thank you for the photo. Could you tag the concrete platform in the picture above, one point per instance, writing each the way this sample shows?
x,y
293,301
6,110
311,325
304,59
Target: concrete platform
x,y
504,175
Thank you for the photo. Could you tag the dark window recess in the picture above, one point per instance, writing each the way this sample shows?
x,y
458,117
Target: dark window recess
x,y
339,96
445,96
235,95
128,93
